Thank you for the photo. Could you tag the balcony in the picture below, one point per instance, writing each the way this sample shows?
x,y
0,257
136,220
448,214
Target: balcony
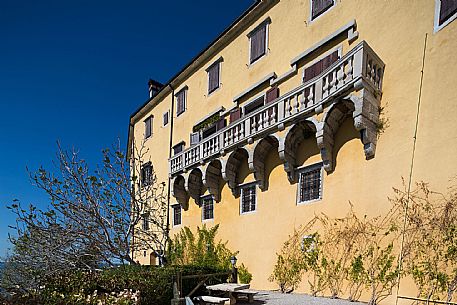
x,y
351,85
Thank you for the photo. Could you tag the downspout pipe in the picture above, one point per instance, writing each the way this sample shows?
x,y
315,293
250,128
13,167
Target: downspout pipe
x,y
170,149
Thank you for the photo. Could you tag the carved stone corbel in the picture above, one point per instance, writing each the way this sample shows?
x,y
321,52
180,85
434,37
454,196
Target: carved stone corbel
x,y
178,191
366,118
288,157
228,172
194,184
211,175
325,142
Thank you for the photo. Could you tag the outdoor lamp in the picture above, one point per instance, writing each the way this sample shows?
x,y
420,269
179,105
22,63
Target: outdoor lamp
x,y
233,260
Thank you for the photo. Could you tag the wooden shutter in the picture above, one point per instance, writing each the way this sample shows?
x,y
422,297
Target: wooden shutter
x,y
319,67
165,118
272,94
213,77
319,7
220,124
181,102
148,127
194,138
178,148
448,8
258,43
235,114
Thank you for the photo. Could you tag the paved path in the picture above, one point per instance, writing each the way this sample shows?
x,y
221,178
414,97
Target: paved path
x,y
277,298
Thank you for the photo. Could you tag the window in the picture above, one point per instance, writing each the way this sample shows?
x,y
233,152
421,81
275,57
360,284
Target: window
x,y
145,222
148,127
254,105
146,174
310,183
181,101
165,119
207,207
445,12
258,41
320,66
318,7
248,198
176,215
178,148
214,76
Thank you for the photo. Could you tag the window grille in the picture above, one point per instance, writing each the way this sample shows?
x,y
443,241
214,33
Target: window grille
x,y
248,198
207,204
177,215
146,174
310,181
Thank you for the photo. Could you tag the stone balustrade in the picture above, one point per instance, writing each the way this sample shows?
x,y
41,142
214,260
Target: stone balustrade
x,y
360,70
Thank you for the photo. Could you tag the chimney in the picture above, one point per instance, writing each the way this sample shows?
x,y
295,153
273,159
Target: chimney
x,y
154,87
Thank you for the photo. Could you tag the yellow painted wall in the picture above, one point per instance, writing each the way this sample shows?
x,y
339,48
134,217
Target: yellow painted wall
x,y
396,31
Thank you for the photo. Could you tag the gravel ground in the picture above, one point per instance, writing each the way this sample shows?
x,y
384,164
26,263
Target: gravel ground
x,y
277,298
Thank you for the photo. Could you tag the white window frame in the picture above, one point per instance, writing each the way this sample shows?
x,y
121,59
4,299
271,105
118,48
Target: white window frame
x,y
436,26
203,207
318,17
242,188
265,23
305,169
176,206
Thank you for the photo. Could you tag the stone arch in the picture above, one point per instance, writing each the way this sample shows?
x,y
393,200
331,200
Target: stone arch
x,y
212,178
230,168
178,191
194,184
288,145
330,124
256,160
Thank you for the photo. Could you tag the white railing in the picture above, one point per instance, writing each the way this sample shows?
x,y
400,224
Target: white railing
x,y
361,63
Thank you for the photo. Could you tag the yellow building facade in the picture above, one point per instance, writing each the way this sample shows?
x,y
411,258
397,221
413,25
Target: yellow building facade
x,y
280,119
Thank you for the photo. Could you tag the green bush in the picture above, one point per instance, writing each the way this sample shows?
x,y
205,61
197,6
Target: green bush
x,y
155,285
244,275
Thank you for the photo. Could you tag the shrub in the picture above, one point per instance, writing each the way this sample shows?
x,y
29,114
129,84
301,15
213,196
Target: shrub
x,y
244,275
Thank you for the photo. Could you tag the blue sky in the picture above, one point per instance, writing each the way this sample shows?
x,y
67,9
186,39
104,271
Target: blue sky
x,y
74,71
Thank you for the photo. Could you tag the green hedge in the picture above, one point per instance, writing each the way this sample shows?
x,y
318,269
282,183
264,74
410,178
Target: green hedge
x,y
154,283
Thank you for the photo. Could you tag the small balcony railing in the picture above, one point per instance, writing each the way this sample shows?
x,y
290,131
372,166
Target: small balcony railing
x,y
361,63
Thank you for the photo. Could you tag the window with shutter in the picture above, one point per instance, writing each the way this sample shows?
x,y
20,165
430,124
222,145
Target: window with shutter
x,y
258,42
272,94
165,119
320,66
178,148
181,102
235,115
213,77
448,8
148,127
318,7
194,138
254,105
